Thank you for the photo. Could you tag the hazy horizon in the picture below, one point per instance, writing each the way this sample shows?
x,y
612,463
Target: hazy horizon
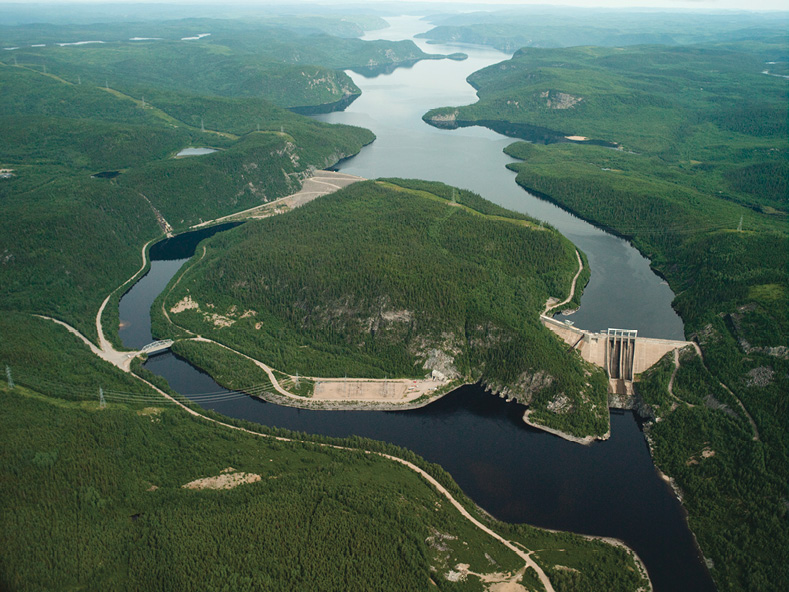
x,y
700,5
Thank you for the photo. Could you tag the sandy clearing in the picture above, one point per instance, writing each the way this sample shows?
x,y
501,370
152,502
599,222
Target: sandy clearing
x,y
350,390
523,554
576,138
498,581
319,184
185,304
223,481
360,389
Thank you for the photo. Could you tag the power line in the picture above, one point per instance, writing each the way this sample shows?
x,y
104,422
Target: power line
x,y
142,397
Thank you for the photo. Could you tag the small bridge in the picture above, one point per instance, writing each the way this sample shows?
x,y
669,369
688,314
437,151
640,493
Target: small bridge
x,y
621,352
157,346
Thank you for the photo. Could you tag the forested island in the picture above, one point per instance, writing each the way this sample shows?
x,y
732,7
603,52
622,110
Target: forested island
x,y
397,279
693,170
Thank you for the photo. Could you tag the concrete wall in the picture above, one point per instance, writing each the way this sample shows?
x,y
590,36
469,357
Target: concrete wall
x,y
592,346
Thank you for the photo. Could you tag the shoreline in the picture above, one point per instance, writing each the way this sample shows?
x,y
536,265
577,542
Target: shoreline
x,y
585,440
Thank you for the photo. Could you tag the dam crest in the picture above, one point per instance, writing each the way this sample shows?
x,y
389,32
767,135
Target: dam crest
x,y
621,352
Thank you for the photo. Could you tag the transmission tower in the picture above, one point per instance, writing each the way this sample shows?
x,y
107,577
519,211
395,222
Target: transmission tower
x,y
79,79
8,375
143,102
102,402
202,125
296,380
739,226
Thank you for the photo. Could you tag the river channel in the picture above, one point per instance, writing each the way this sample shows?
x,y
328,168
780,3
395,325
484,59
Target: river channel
x,y
517,473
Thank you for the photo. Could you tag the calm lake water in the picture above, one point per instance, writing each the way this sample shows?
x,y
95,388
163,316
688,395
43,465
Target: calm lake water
x,y
623,291
515,472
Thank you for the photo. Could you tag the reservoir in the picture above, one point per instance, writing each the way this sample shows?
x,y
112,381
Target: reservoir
x,y
516,473
623,291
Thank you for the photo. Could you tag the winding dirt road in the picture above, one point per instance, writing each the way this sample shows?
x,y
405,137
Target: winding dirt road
x,y
524,555
122,360
549,306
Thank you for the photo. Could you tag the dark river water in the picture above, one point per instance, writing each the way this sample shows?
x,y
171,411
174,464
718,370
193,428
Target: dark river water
x,y
517,473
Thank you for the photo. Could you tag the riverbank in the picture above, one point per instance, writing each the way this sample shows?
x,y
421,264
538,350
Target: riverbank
x,y
586,440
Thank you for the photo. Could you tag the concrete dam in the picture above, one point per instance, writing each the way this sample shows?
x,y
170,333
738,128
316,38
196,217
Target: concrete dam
x,y
621,352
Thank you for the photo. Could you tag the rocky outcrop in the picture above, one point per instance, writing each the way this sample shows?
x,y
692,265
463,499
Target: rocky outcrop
x,y
559,100
523,389
443,120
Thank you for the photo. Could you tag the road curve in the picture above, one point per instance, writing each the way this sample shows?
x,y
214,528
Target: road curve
x,y
549,306
526,556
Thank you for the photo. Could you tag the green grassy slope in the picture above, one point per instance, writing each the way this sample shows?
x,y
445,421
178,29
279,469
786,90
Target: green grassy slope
x,y
703,138
380,280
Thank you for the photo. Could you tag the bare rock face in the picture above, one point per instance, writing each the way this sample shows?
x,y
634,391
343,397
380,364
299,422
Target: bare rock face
x,y
760,377
560,404
450,117
559,100
524,389
528,385
441,363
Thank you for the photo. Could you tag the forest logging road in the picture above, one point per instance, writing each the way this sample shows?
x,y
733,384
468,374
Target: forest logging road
x,y
548,305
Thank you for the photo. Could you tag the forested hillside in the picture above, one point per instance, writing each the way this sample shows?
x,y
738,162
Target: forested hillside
x,y
298,69
105,483
386,279
670,101
131,506
512,28
699,184
68,238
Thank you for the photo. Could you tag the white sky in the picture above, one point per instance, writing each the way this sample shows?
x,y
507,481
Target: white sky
x,y
757,5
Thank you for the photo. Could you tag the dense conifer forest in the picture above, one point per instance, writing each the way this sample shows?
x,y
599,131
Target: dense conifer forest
x,y
434,278
63,224
697,181
116,513
679,148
